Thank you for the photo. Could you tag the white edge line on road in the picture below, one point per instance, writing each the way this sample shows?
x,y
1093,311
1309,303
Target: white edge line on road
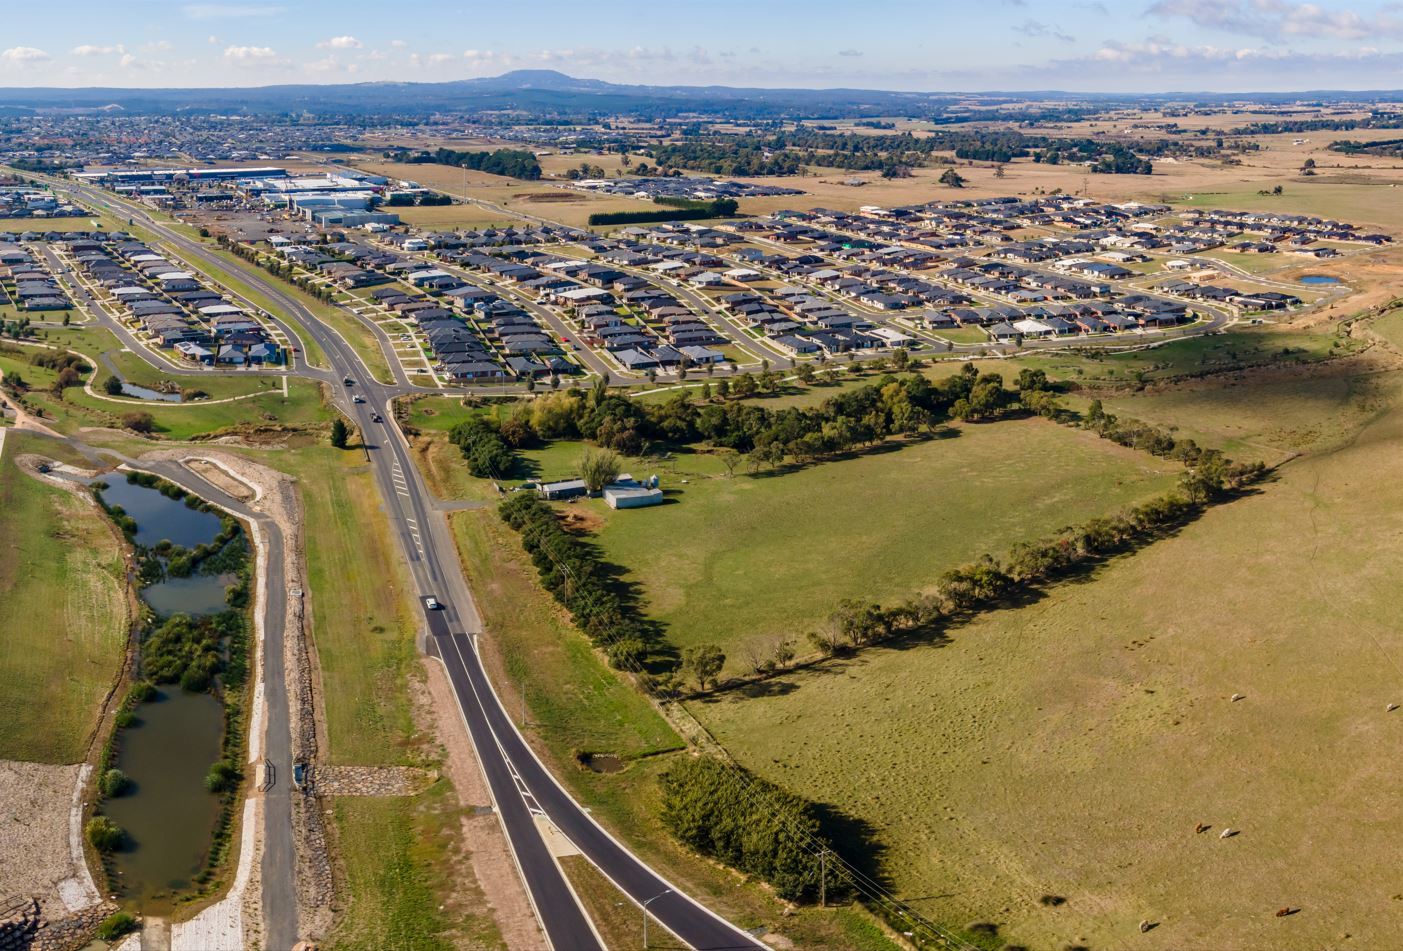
x,y
496,810
590,817
522,789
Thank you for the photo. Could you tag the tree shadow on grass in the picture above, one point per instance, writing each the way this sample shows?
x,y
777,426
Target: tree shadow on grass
x,y
856,841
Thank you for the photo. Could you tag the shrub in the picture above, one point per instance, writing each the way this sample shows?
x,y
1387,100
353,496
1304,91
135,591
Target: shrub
x,y
116,925
222,777
139,422
599,467
114,782
487,453
104,834
748,823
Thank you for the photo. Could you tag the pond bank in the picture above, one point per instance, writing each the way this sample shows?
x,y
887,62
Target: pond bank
x,y
171,773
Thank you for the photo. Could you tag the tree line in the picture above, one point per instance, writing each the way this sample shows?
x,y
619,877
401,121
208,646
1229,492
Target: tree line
x,y
571,569
748,823
690,211
514,163
787,152
894,405
1386,148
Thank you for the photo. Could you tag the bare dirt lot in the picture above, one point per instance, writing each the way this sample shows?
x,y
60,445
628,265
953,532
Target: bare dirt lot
x,y
35,804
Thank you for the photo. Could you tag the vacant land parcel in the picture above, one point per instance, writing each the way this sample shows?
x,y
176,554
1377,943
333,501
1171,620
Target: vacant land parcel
x,y
753,557
1236,675
63,611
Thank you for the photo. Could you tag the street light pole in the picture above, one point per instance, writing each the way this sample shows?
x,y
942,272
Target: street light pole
x,y
645,914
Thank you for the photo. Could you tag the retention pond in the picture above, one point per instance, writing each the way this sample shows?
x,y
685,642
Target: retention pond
x,y
165,745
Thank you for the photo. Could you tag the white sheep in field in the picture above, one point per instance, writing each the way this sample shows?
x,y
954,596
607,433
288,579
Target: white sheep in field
x,y
1227,833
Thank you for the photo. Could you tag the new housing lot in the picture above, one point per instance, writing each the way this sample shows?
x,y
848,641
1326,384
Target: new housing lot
x,y
168,306
510,304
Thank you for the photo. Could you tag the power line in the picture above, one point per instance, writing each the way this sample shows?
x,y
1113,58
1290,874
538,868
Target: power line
x,y
819,850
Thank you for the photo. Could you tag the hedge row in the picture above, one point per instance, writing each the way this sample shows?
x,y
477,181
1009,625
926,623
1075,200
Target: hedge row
x,y
749,824
572,571
721,208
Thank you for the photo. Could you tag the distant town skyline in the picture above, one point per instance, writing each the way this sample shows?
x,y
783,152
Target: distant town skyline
x,y
1074,45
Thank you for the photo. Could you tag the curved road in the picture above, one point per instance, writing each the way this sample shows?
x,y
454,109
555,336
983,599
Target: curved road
x,y
522,787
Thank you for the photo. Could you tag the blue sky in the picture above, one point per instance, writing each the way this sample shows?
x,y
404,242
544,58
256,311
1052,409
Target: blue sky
x,y
1092,45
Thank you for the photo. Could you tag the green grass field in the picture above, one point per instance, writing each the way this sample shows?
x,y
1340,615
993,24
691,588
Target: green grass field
x,y
744,559
398,866
1263,264
133,369
1265,420
363,620
21,225
302,407
1115,694
577,704
1358,203
63,611
1232,349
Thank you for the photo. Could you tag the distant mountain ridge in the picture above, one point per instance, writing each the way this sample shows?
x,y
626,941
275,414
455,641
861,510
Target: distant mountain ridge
x,y
548,92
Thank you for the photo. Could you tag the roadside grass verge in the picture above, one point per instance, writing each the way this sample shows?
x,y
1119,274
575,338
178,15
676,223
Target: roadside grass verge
x,y
577,704
398,862
362,339
362,620
63,608
618,918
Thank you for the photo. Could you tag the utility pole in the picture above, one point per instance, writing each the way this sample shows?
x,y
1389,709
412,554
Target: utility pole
x,y
823,878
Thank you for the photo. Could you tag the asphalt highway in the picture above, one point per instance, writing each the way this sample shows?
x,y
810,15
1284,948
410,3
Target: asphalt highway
x,y
523,790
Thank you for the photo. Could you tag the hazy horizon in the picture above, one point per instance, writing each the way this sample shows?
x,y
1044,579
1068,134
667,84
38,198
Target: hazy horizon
x,y
1077,46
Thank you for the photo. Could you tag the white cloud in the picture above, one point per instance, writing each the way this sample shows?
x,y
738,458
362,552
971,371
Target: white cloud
x,y
87,49
430,60
340,43
157,46
254,56
1159,63
398,44
130,62
19,55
